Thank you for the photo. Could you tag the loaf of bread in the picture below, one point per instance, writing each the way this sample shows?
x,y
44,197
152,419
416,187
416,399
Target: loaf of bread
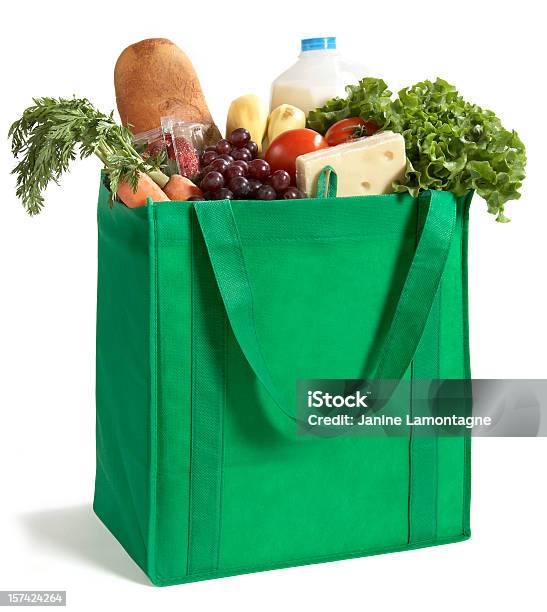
x,y
154,78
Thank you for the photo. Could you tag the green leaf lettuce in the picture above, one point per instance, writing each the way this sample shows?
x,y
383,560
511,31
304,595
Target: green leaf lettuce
x,y
451,144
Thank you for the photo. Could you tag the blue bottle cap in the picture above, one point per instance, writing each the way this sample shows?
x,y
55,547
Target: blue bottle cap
x,y
315,44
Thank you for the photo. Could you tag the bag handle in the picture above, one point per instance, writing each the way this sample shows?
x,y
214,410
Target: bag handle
x,y
219,228
327,183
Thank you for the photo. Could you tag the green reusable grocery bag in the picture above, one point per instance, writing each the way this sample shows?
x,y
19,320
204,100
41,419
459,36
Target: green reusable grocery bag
x,y
208,315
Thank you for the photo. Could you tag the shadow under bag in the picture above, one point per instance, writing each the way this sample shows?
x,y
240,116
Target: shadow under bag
x,y
208,313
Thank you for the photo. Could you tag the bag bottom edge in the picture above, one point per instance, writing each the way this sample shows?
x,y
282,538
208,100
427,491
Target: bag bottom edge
x,y
165,581
160,581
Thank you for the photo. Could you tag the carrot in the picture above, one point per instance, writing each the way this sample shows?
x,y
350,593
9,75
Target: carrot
x,y
180,188
146,188
50,135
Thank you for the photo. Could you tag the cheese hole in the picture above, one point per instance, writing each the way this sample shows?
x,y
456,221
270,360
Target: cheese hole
x,y
388,155
366,185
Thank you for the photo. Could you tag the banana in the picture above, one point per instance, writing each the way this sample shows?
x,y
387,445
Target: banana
x,y
248,112
283,118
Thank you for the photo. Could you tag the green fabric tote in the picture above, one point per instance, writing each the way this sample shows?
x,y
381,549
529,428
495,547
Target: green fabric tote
x,y
208,313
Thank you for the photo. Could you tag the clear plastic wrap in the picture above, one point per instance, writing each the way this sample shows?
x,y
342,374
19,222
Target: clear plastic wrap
x,y
181,141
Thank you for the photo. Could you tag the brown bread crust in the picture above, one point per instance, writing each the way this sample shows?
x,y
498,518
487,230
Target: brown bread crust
x,y
154,78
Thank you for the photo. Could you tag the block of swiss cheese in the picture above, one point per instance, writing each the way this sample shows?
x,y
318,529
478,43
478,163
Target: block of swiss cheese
x,y
367,166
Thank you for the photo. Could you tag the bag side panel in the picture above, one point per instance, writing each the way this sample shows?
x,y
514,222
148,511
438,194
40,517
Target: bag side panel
x,y
122,492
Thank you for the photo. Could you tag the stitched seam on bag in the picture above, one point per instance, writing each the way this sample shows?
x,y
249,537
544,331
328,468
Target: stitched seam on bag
x,y
192,364
465,308
304,560
410,467
411,437
465,369
221,483
154,397
258,240
438,374
362,237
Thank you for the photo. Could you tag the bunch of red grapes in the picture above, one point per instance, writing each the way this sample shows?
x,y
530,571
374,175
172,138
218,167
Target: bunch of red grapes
x,y
232,170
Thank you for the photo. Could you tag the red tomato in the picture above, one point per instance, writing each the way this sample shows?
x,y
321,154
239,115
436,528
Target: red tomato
x,y
283,151
348,129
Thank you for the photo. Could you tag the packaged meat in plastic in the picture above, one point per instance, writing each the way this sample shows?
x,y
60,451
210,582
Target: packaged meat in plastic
x,y
185,143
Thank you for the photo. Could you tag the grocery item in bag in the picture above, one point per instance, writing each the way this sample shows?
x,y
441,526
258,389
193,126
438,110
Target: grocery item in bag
x,y
367,166
248,112
154,78
180,188
184,144
284,118
288,146
319,75
181,142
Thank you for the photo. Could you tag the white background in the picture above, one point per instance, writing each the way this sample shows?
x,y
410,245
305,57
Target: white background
x,y
49,539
